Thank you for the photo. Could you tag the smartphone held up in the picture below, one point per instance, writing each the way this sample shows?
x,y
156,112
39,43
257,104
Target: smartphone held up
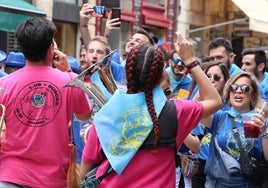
x,y
116,13
103,12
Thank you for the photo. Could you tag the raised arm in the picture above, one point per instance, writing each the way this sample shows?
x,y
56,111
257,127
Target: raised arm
x,y
211,99
85,15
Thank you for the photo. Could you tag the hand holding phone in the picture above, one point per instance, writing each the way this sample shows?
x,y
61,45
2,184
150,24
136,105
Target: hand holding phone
x,y
116,13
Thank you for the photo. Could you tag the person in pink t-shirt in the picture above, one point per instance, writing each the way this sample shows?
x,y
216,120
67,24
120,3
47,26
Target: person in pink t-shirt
x,y
35,151
137,132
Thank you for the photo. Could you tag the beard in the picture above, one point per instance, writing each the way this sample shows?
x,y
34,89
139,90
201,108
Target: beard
x,y
176,70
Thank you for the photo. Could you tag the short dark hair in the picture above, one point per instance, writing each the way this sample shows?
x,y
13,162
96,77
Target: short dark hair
x,y
220,41
35,36
144,32
259,55
248,51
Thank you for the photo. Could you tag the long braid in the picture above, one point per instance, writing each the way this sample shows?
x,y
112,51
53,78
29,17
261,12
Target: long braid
x,y
131,71
144,70
154,73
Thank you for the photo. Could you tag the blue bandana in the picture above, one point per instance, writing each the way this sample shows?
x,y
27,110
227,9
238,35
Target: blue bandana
x,y
236,115
123,124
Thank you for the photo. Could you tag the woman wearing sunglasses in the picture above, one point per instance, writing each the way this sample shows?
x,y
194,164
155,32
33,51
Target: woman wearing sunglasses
x,y
218,75
241,94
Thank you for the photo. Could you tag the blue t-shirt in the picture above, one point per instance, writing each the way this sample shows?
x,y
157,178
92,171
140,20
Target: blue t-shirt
x,y
264,85
226,139
206,133
180,88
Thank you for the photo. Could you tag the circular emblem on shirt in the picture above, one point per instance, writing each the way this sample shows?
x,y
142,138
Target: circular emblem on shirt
x,y
38,100
37,103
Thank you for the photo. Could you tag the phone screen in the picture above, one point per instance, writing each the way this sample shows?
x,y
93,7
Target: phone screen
x,y
116,13
100,10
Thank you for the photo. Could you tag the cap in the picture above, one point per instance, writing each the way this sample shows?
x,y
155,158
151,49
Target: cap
x,y
15,59
74,64
3,55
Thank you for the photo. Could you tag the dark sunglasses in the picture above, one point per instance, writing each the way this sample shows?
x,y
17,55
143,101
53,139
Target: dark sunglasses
x,y
215,77
177,60
244,88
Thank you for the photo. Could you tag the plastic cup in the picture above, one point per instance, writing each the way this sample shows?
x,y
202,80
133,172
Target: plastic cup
x,y
250,129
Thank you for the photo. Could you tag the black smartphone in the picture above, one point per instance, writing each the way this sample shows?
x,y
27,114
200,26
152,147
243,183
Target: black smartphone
x,y
116,13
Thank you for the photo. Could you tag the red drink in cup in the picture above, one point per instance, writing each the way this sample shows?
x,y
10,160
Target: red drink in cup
x,y
251,130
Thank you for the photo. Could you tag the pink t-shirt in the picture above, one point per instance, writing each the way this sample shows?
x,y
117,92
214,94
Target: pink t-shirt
x,y
146,169
35,151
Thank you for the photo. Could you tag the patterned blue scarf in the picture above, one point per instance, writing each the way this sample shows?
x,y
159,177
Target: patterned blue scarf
x,y
123,124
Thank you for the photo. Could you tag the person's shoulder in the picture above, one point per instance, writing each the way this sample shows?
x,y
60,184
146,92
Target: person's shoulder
x,y
265,75
234,69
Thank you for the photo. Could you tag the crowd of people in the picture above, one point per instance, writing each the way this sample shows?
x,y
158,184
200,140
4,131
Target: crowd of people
x,y
168,104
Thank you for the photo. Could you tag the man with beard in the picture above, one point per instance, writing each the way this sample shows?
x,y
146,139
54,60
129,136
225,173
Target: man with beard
x,y
254,61
180,86
83,58
221,50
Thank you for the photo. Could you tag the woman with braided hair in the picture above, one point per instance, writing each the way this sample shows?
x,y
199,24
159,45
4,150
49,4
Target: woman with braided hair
x,y
138,131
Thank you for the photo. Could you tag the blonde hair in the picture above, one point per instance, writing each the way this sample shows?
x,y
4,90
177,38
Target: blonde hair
x,y
253,85
102,40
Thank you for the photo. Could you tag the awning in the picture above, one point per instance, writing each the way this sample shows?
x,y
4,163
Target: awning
x,y
257,11
14,12
153,14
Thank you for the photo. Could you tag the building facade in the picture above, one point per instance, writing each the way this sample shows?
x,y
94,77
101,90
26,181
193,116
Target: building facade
x,y
199,20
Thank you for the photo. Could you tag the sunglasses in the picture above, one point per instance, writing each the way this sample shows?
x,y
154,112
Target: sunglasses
x,y
244,88
177,60
218,57
215,77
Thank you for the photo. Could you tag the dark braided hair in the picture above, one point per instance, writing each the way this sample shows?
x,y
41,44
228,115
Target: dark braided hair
x,y
144,70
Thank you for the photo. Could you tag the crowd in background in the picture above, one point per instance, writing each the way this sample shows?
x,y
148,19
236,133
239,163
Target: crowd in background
x,y
167,100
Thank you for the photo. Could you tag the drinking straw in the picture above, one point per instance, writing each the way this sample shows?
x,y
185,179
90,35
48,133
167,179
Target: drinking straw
x,y
262,107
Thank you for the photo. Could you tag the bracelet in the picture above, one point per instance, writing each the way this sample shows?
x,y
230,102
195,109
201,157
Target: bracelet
x,y
83,25
189,67
264,134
